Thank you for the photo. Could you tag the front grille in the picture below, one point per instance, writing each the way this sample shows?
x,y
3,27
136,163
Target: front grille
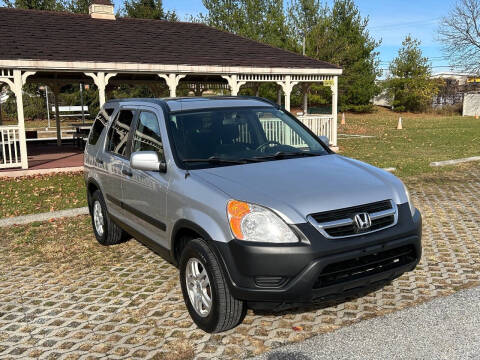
x,y
339,223
364,266
351,211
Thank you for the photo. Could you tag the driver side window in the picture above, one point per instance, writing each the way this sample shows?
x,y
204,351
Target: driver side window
x,y
147,134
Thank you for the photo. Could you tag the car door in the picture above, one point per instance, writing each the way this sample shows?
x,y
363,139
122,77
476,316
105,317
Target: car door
x,y
145,192
115,161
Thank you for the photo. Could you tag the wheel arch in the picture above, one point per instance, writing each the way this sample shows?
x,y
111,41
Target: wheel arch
x,y
92,186
182,228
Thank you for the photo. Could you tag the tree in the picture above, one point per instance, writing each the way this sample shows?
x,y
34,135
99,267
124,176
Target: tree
x,y
260,20
303,17
460,34
409,83
78,6
53,5
342,38
148,9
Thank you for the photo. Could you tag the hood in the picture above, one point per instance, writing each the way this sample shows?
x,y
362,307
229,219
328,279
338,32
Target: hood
x,y
295,188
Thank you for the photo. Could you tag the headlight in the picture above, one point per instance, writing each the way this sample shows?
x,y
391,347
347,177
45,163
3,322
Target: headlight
x,y
410,203
251,222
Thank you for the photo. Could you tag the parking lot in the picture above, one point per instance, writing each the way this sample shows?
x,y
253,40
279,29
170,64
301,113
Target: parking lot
x,y
65,297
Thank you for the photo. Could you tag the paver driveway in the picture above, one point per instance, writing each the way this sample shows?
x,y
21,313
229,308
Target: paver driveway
x,y
64,296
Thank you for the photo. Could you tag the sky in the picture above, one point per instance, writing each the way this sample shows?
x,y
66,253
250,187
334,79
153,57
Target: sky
x,y
390,21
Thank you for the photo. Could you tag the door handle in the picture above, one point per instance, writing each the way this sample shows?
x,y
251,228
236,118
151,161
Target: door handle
x,y
127,172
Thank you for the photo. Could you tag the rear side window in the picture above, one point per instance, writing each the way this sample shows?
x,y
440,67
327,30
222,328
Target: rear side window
x,y
147,135
97,128
119,133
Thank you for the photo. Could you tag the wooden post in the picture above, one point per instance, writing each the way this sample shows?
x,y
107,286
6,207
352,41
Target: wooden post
x,y
56,92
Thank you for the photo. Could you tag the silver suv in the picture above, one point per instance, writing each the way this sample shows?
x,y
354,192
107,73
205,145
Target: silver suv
x,y
251,206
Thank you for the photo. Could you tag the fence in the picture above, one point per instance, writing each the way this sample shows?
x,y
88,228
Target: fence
x,y
9,147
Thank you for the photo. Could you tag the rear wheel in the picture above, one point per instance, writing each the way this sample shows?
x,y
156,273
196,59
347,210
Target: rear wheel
x,y
206,294
105,230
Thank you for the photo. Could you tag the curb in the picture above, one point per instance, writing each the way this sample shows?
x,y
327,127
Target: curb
x,y
454,162
27,219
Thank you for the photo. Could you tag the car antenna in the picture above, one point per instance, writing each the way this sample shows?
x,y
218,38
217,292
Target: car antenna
x,y
187,173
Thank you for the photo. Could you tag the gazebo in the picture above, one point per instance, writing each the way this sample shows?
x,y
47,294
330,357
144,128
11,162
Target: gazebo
x,y
56,49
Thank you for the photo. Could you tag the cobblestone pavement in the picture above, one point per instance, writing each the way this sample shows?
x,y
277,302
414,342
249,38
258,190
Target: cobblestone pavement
x,y
63,296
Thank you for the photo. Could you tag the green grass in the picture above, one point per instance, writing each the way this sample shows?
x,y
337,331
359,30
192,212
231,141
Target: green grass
x,y
41,193
424,138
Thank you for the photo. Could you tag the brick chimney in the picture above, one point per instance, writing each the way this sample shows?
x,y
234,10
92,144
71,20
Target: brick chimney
x,y
101,9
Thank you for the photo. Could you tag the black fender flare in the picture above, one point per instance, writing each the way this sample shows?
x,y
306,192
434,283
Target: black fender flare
x,y
190,225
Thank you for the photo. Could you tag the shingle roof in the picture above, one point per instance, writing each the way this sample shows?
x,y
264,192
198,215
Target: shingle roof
x,y
57,36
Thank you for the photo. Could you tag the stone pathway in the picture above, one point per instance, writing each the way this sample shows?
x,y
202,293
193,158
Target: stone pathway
x,y
131,307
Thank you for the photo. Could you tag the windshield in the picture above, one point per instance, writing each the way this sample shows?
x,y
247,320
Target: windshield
x,y
220,137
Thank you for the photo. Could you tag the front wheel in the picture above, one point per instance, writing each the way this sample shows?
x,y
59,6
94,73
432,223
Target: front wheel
x,y
206,294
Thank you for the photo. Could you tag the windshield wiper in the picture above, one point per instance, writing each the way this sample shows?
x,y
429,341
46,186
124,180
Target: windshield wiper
x,y
283,154
215,160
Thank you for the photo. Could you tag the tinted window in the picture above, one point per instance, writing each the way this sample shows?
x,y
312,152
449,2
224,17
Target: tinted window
x,y
119,133
147,134
97,128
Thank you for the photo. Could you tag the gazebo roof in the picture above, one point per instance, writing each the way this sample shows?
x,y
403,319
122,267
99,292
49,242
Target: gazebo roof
x,y
59,36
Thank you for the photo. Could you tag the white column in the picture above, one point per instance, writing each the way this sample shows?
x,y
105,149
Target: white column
x,y
334,88
287,86
306,88
19,79
101,81
172,81
234,84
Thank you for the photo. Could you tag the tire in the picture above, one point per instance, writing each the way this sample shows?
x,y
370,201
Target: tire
x,y
106,231
225,311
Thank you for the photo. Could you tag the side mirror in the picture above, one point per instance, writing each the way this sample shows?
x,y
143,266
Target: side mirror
x,y
324,139
147,161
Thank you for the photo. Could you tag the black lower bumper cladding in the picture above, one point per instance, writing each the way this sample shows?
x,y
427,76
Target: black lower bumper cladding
x,y
268,275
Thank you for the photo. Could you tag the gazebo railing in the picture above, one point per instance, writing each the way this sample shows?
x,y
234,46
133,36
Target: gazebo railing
x,y
9,147
276,130
321,125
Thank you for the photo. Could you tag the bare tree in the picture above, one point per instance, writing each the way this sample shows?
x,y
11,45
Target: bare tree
x,y
460,34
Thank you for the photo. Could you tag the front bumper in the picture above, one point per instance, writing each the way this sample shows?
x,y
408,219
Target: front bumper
x,y
302,273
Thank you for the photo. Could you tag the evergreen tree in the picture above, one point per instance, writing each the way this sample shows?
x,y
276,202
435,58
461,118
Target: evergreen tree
x,y
342,38
53,5
148,9
78,6
409,83
260,20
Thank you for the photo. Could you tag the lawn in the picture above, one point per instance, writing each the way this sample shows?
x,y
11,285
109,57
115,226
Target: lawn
x,y
41,193
424,138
